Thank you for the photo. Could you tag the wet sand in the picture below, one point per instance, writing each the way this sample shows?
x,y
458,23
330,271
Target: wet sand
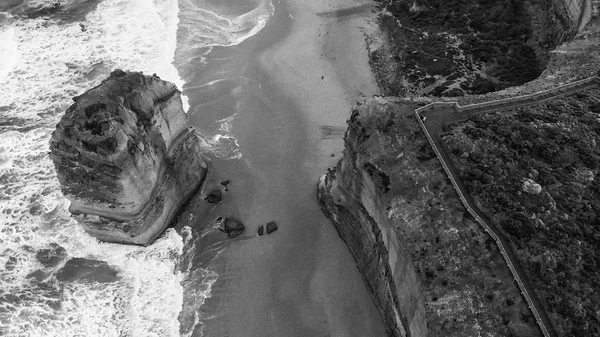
x,y
292,86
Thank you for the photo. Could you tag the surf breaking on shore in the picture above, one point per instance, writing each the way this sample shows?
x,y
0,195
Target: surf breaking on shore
x,y
46,61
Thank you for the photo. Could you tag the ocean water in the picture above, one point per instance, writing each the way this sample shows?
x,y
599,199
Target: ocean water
x,y
205,24
49,54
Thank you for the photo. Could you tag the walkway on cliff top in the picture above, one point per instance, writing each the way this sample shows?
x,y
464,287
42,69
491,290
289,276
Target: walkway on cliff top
x,y
433,117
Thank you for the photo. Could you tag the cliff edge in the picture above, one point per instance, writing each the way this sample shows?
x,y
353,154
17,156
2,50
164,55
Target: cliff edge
x,y
431,269
353,196
126,158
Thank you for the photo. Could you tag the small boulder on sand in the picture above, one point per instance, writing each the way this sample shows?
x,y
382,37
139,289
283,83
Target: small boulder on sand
x,y
271,227
214,197
232,227
261,230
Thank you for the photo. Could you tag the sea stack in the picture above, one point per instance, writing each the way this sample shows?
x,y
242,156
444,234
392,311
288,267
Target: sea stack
x,y
126,157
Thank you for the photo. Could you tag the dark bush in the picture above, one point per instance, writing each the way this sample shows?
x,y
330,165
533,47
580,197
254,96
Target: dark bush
x,y
557,231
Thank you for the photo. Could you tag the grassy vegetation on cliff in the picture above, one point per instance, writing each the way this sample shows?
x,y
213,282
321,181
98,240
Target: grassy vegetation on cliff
x,y
449,47
467,288
535,170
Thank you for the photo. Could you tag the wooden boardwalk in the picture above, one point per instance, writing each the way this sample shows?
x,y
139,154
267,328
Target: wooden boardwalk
x,y
433,117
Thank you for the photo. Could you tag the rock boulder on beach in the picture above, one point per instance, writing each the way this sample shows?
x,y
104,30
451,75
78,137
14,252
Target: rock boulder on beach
x,y
271,227
225,183
232,227
126,158
214,197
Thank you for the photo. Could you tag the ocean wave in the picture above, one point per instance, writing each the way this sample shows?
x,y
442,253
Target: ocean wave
x,y
197,283
9,52
203,27
45,62
223,144
50,62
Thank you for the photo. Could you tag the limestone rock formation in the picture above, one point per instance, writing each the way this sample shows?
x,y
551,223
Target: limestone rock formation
x,y
126,158
353,197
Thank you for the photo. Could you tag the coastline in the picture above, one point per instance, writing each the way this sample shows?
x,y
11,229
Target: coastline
x,y
322,68
293,86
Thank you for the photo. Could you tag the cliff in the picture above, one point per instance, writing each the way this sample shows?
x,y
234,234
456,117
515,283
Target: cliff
x,y
565,17
454,48
353,197
126,158
580,12
431,269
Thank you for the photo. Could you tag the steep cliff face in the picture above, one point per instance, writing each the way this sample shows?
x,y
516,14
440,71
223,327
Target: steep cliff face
x,y
126,158
432,270
454,48
566,17
554,22
580,12
353,196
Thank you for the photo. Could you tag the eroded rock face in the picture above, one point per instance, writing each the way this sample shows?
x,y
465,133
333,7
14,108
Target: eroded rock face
x,y
354,197
126,158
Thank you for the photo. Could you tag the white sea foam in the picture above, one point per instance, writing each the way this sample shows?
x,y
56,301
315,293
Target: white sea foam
x,y
197,283
43,64
223,144
200,28
9,52
220,29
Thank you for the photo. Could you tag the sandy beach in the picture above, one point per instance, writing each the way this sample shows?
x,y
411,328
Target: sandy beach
x,y
301,75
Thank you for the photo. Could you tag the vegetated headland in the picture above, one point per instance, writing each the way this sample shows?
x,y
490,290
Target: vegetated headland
x,y
531,169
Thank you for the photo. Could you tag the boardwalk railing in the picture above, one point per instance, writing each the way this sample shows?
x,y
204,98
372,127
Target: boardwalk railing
x,y
487,229
524,100
486,107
